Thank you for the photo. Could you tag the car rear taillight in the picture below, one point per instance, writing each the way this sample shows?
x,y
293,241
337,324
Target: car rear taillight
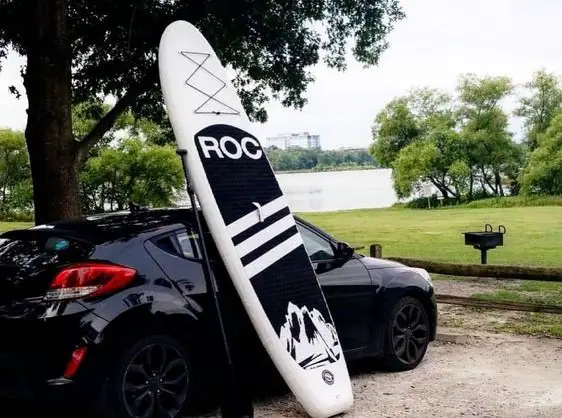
x,y
89,280
75,361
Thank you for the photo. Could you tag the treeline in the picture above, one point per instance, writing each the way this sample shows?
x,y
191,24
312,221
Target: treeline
x,y
130,169
135,161
295,159
460,142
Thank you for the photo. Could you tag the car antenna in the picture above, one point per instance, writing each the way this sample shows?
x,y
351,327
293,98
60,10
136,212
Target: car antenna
x,y
232,406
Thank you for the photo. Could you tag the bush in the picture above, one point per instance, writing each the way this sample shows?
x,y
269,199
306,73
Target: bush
x,y
515,201
422,202
483,202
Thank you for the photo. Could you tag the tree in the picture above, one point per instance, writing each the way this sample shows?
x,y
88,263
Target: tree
x,y
133,170
415,135
82,49
543,173
438,158
15,187
395,128
538,109
408,118
484,126
459,145
317,159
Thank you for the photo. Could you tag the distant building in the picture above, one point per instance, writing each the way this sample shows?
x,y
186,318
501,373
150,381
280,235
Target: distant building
x,y
296,140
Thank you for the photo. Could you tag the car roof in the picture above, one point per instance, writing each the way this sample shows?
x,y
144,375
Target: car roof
x,y
109,226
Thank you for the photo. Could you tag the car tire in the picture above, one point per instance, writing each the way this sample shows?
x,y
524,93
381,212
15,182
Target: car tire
x,y
406,333
155,372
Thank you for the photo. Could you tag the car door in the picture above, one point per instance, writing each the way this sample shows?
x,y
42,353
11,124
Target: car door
x,y
347,287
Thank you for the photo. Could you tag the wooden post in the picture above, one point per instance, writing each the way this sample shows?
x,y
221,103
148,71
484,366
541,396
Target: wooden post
x,y
375,251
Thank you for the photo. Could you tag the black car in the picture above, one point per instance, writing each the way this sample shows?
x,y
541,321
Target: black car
x,y
113,310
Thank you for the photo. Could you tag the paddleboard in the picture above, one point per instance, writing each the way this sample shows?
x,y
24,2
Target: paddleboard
x,y
251,222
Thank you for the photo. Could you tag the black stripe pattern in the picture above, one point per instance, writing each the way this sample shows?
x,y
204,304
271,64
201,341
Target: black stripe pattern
x,y
276,261
244,235
269,245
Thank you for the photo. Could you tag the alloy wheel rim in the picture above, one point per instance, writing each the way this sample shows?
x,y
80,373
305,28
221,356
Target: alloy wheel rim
x,y
155,382
410,334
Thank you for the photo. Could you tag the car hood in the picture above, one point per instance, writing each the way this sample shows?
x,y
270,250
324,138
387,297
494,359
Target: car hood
x,y
379,263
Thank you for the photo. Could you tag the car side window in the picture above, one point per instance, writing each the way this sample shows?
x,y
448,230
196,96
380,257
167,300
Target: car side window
x,y
189,244
183,243
318,248
166,243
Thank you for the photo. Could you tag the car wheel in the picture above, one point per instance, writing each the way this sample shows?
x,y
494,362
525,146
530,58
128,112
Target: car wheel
x,y
407,335
152,379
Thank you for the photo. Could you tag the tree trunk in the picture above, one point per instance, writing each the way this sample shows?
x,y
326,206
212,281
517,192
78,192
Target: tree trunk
x,y
440,187
51,145
499,183
487,180
471,187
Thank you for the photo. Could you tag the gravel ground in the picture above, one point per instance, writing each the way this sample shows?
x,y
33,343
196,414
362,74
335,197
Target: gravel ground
x,y
491,375
466,288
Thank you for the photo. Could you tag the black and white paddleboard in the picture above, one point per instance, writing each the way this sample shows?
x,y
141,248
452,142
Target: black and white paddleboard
x,y
251,222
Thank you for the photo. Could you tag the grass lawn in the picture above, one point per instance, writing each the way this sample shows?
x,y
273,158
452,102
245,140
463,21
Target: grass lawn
x,y
539,324
534,234
545,293
6,226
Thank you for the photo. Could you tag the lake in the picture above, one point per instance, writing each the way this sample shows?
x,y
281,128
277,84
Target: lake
x,y
338,190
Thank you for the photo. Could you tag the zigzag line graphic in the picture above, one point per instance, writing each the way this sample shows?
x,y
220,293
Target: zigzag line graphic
x,y
210,97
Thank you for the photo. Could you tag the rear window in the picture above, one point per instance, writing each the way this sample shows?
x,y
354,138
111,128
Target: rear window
x,y
29,261
34,250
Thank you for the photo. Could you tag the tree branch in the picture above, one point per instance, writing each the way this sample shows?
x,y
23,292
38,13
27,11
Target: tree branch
x,y
109,119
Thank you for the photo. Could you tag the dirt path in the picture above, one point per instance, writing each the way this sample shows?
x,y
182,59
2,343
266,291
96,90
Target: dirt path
x,y
492,375
466,287
474,319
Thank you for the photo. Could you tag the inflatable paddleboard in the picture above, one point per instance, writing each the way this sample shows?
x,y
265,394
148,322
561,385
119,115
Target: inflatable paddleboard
x,y
251,222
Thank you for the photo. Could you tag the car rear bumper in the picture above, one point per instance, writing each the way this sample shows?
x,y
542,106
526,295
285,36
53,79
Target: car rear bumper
x,y
34,354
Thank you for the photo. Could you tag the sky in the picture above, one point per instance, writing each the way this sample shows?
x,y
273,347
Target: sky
x,y
436,42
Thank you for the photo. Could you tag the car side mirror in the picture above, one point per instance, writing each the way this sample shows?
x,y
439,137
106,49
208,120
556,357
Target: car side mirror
x,y
343,250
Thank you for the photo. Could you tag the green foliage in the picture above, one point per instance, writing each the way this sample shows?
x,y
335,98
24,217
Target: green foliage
x,y
395,128
483,202
491,150
538,109
459,145
535,323
118,171
15,185
543,172
132,171
270,44
296,159
129,164
413,163
553,298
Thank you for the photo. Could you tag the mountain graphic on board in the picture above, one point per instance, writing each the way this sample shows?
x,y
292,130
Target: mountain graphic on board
x,y
310,340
